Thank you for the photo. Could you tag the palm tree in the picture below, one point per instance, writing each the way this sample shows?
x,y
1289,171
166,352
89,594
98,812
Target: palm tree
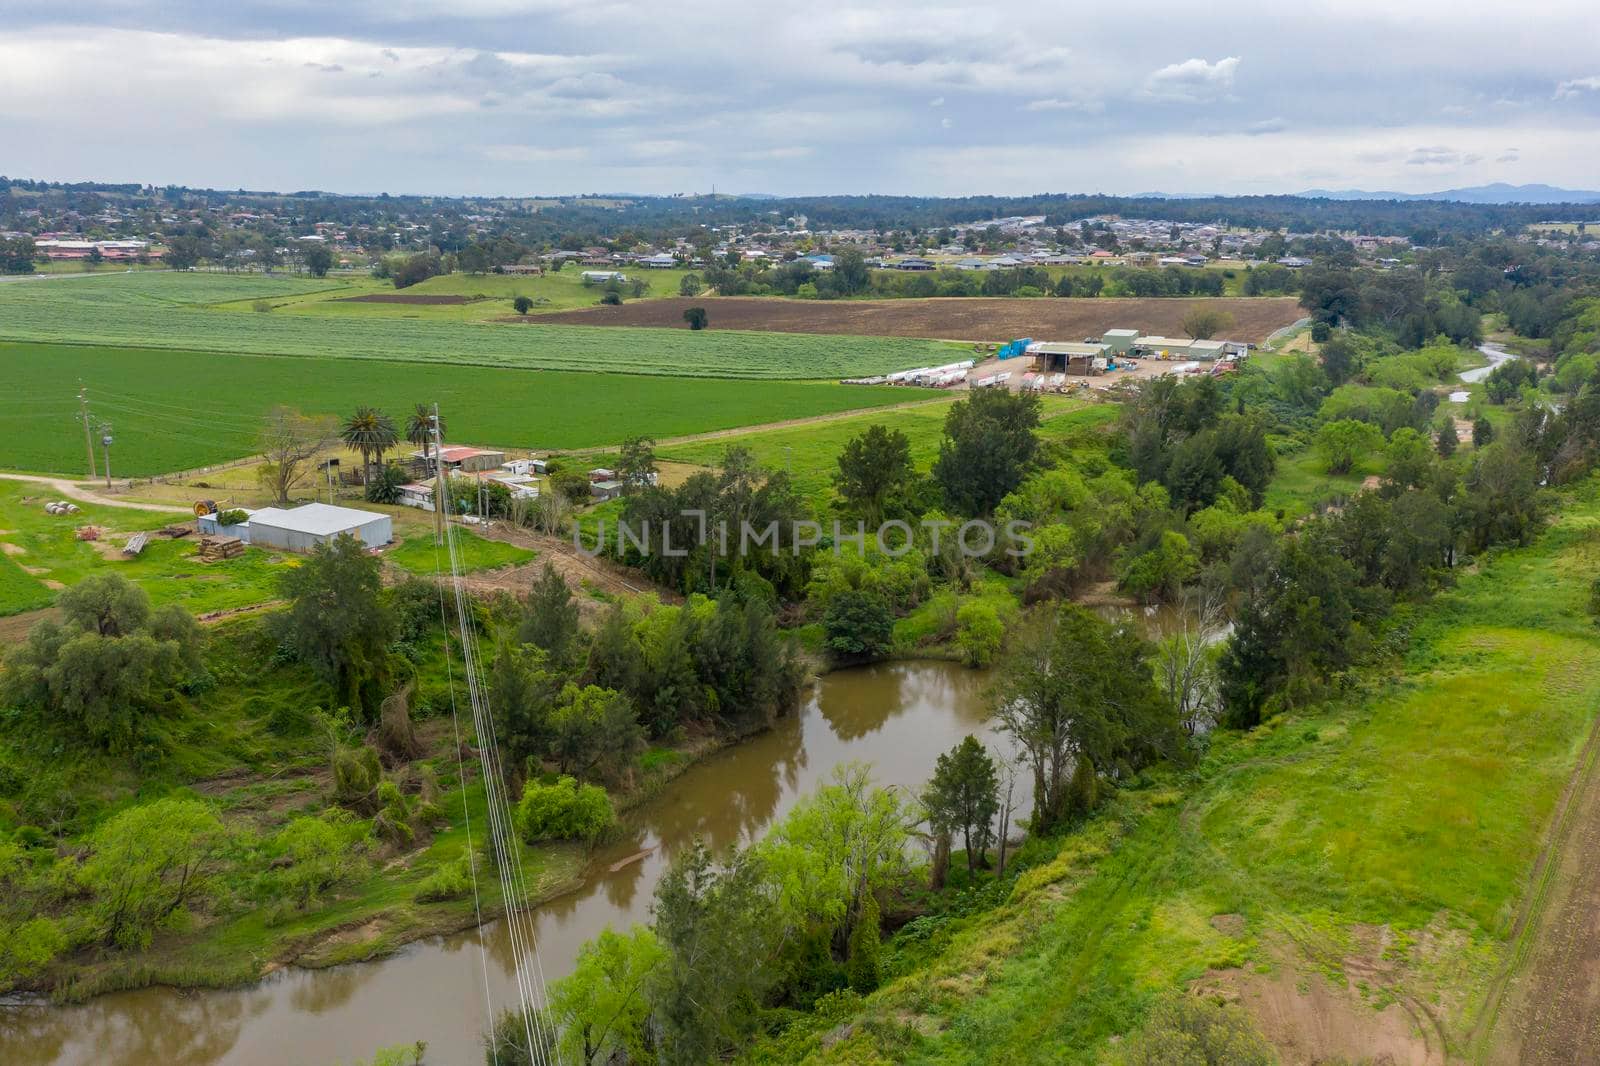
x,y
419,428
370,432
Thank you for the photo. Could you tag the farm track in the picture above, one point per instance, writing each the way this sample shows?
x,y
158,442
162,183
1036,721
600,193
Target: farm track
x,y
78,491
1544,1005
984,319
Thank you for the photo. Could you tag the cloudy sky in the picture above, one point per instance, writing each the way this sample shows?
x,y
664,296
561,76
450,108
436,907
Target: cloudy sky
x,y
897,96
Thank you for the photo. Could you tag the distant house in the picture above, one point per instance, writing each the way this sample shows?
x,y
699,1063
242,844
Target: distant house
x,y
658,262
820,262
599,277
914,263
461,460
418,494
600,473
1294,261
605,490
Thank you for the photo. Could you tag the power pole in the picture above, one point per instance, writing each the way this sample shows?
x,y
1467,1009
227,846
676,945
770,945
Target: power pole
x,y
438,482
105,440
88,439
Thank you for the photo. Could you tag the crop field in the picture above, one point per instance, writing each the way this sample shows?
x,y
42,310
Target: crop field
x,y
177,410
171,310
454,297
951,318
809,452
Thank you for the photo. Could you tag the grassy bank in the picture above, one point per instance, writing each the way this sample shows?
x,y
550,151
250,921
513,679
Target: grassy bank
x,y
1367,855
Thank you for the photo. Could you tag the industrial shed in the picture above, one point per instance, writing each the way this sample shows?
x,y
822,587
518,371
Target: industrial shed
x,y
303,528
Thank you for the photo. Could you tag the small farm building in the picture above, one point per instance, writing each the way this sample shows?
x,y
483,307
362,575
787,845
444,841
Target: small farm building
x,y
418,494
1065,357
460,460
1120,341
304,528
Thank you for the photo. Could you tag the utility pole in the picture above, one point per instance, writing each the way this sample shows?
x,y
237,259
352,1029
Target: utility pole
x,y
438,482
105,440
88,439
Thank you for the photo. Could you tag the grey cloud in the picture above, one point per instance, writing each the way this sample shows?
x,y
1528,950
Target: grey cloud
x,y
1193,80
1267,125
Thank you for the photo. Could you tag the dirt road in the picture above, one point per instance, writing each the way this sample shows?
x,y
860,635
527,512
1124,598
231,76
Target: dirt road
x,y
1551,986
946,318
80,491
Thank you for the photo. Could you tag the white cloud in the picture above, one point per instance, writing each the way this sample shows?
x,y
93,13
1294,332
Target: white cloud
x,y
1266,126
937,101
1578,86
1056,103
1193,80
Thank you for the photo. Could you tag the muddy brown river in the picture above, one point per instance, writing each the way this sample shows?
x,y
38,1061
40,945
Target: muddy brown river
x,y
897,716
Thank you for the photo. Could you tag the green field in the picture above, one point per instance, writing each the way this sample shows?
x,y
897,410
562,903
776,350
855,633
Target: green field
x,y
489,296
1385,838
175,310
418,554
167,569
809,452
179,410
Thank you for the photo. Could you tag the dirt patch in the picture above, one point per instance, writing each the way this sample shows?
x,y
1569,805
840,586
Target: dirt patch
x,y
14,628
1228,924
416,299
12,549
1311,1019
1552,1011
972,319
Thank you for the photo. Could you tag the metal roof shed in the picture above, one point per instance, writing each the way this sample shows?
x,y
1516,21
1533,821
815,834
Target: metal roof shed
x,y
303,528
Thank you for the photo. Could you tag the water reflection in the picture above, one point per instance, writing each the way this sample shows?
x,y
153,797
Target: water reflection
x,y
899,717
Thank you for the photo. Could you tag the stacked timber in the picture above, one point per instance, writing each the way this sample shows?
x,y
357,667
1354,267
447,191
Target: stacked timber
x,y
213,549
135,544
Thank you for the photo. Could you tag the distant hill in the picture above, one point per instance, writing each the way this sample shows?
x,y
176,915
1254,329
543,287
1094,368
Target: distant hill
x,y
1497,193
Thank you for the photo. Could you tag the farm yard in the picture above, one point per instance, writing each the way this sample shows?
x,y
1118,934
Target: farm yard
x,y
948,318
172,310
178,410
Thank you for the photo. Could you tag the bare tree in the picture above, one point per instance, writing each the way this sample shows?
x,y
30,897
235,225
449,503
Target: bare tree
x,y
550,513
1186,665
289,441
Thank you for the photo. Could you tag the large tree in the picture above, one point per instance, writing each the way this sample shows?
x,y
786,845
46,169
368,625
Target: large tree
x,y
963,797
874,470
371,433
988,445
289,441
419,428
1079,698
1203,322
337,621
550,617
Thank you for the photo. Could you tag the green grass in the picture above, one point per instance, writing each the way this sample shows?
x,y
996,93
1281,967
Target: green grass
x,y
1302,481
172,311
490,296
809,452
1416,804
167,569
417,553
181,409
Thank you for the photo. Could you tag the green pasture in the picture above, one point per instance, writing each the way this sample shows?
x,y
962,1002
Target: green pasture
x,y
165,310
809,453
418,554
177,410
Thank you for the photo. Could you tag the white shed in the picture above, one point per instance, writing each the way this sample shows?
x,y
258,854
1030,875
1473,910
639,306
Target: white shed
x,y
304,528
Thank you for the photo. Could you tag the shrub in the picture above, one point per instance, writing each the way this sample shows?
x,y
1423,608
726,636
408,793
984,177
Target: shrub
x,y
451,880
564,810
978,633
522,305
233,516
863,965
696,317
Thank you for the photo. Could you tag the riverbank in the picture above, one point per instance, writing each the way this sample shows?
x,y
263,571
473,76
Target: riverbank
x,y
897,716
1354,873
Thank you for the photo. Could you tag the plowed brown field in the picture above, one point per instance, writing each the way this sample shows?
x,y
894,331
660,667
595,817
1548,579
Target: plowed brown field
x,y
978,319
